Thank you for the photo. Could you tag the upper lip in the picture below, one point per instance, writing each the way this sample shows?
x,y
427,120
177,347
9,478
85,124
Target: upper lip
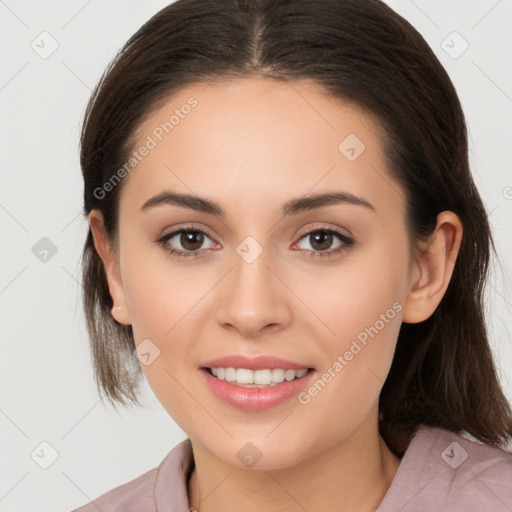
x,y
260,362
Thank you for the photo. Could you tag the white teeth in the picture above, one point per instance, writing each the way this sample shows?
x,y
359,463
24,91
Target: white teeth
x,y
257,378
277,375
263,377
230,374
289,375
244,376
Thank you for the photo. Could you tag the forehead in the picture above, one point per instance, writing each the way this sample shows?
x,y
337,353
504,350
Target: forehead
x,y
253,139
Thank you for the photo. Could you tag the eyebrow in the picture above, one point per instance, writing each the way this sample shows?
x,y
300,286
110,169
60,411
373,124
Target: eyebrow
x,y
292,207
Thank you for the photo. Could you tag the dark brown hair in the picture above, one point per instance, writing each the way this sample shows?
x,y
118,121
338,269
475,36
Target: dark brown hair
x,y
359,51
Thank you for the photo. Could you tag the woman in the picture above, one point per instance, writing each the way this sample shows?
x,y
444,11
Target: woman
x,y
287,242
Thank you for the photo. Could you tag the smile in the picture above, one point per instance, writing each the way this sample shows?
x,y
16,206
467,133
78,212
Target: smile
x,y
256,383
257,378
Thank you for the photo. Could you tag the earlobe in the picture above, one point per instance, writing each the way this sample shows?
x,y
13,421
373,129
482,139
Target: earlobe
x,y
433,269
110,261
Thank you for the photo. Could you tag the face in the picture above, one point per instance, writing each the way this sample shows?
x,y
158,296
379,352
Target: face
x,y
269,276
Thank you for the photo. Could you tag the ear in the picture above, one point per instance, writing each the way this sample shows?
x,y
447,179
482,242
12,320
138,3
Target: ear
x,y
112,268
433,269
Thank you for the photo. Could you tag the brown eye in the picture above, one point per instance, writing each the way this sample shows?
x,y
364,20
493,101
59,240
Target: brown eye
x,y
325,242
191,240
321,240
186,242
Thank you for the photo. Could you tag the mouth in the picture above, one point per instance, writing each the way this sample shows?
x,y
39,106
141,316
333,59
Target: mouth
x,y
263,378
255,384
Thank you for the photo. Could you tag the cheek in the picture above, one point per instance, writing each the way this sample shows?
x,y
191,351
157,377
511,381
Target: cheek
x,y
160,293
167,306
161,302
365,290
360,308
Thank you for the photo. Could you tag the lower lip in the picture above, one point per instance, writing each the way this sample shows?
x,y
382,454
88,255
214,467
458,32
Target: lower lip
x,y
255,399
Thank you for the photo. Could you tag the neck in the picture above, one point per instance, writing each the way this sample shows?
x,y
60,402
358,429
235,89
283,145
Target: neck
x,y
353,475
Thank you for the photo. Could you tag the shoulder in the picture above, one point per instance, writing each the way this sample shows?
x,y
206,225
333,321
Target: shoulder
x,y
147,491
444,470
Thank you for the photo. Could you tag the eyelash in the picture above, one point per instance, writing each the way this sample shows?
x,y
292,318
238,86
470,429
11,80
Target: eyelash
x,y
348,243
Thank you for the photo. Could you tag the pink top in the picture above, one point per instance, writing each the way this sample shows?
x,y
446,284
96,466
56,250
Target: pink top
x,y
440,471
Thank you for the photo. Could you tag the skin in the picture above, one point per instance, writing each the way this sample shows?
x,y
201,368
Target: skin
x,y
251,145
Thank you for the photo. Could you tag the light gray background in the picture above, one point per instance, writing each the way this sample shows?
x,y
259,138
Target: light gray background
x,y
47,392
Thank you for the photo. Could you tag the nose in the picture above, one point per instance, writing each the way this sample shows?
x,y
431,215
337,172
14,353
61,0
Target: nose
x,y
252,299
